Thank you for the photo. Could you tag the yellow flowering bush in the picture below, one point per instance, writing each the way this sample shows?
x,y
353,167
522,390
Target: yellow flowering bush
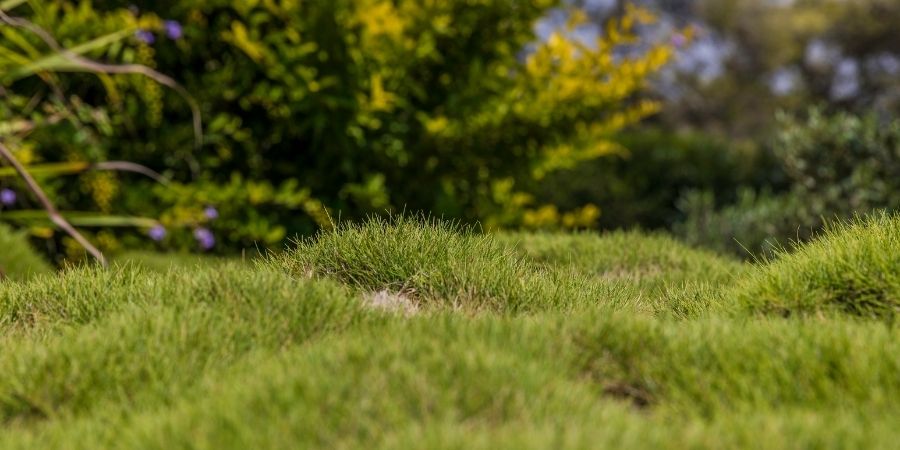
x,y
363,106
507,121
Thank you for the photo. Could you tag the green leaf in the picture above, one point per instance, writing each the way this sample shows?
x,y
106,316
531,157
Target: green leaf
x,y
13,35
77,218
48,170
57,62
13,57
10,4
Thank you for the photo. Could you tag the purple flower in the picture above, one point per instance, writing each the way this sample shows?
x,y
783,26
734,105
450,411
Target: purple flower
x,y
211,213
205,238
145,36
157,233
7,197
678,40
173,29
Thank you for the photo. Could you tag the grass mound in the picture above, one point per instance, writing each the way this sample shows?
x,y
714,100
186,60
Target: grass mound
x,y
660,275
648,260
208,378
18,260
711,365
853,268
91,339
356,340
441,264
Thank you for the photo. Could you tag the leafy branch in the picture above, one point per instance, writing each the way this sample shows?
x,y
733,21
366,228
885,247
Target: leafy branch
x,y
69,60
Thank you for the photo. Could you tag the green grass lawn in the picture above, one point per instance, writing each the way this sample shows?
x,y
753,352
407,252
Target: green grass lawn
x,y
17,260
417,334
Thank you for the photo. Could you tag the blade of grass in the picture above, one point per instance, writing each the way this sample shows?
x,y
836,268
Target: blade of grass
x,y
79,218
70,168
59,62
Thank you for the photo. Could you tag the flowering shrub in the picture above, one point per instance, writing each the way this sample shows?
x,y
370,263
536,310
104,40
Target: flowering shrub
x,y
454,107
31,52
359,106
240,213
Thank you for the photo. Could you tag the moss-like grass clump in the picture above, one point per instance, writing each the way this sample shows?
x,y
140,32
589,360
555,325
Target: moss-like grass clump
x,y
441,264
853,268
509,341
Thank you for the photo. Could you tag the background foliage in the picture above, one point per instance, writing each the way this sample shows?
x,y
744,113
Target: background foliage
x,y
754,58
538,114
644,185
837,165
347,106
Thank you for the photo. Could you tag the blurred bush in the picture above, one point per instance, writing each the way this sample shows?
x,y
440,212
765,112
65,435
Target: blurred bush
x,y
357,106
837,165
755,225
753,58
376,104
239,212
52,132
643,184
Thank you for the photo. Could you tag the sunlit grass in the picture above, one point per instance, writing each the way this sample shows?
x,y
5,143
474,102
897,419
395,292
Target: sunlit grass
x,y
516,341
17,260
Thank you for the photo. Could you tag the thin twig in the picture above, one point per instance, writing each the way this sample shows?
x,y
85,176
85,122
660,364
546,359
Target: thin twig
x,y
54,214
127,166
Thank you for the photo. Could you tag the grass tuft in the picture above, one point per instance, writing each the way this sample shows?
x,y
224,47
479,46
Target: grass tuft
x,y
444,265
853,268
